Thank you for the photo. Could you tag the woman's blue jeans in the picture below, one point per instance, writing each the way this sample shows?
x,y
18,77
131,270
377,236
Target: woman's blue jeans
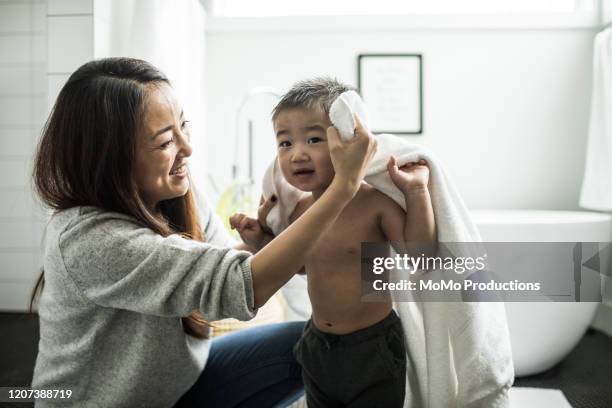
x,y
250,368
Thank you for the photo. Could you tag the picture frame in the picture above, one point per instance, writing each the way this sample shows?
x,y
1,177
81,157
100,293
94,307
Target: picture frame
x,y
391,86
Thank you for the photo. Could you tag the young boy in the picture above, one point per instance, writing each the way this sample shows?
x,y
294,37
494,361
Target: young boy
x,y
352,353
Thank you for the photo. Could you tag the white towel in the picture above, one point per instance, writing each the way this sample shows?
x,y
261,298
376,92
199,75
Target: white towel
x,y
596,191
458,353
342,111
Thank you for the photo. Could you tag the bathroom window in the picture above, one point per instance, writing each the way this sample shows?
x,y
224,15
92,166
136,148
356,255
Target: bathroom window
x,y
278,8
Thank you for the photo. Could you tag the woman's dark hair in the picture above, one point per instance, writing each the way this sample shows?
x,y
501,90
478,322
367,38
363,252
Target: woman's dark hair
x,y
88,147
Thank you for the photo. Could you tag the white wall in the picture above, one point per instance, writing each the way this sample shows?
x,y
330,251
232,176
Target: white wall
x,y
77,32
506,110
41,43
23,89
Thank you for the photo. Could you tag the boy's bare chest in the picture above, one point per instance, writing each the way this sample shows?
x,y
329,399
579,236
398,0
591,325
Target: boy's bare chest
x,y
341,244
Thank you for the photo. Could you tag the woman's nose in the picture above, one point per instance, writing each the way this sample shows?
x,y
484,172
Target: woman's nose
x,y
185,147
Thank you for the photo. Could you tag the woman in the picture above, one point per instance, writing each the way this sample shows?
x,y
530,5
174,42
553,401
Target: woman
x,y
132,273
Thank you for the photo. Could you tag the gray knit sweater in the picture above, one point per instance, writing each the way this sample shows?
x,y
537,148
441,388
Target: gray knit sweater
x,y
110,326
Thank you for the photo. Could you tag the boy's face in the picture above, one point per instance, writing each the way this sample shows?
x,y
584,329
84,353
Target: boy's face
x,y
303,154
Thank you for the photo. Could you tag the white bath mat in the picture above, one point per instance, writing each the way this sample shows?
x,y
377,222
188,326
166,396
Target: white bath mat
x,y
520,397
523,397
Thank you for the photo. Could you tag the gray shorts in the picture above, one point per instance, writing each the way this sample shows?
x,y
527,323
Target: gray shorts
x,y
366,368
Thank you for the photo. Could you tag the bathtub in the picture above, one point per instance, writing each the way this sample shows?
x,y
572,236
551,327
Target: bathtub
x,y
542,334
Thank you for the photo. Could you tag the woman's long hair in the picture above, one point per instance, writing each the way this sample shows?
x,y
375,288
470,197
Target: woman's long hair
x,y
87,150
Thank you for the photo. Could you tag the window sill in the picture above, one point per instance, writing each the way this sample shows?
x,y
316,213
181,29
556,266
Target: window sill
x,y
575,21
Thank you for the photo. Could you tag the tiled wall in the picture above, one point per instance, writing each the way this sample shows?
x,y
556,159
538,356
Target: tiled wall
x,y
69,42
41,43
23,105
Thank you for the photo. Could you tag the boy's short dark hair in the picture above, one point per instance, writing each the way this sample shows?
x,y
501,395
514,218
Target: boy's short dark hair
x,y
310,93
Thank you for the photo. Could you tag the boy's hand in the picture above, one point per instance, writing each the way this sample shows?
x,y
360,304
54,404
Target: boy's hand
x,y
262,212
255,232
250,230
411,178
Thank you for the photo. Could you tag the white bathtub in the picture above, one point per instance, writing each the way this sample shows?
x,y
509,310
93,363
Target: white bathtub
x,y
542,334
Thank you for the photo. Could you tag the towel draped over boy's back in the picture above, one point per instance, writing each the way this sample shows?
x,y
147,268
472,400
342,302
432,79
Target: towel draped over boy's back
x,y
459,353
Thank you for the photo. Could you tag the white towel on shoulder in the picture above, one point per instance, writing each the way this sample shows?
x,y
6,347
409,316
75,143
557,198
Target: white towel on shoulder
x,y
459,353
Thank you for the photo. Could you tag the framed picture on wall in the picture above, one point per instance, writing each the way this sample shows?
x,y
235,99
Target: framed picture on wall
x,y
391,85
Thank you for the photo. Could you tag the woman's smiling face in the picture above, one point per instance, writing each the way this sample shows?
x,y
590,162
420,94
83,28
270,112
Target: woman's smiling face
x,y
162,148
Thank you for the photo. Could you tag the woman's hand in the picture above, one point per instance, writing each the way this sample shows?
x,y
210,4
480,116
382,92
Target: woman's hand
x,y
350,159
411,178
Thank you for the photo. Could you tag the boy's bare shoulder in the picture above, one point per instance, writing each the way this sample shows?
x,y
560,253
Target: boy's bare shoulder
x,y
300,208
371,196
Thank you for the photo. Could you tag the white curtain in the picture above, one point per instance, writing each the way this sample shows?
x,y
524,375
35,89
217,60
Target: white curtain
x,y
596,191
170,34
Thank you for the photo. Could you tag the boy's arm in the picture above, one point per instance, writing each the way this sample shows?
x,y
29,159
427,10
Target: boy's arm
x,y
408,232
243,246
420,225
417,224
